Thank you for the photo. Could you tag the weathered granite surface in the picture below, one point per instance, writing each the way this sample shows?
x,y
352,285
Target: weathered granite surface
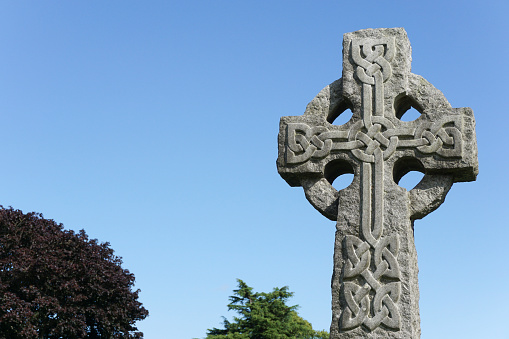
x,y
375,293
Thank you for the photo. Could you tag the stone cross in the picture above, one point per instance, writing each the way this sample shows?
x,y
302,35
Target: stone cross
x,y
375,292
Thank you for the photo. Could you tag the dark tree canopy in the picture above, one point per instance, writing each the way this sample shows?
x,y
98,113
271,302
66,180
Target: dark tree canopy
x,y
56,283
264,316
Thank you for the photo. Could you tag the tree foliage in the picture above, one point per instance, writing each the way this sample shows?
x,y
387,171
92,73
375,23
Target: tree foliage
x,y
56,283
264,316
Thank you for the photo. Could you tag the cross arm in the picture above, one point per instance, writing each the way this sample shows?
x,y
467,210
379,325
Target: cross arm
x,y
305,145
448,134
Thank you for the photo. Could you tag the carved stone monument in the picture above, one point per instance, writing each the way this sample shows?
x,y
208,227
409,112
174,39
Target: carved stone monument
x,y
375,293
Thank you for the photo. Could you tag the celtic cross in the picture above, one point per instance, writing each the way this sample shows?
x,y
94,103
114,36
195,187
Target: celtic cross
x,y
374,285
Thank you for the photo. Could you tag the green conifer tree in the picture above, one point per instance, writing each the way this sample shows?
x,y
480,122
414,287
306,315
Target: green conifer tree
x,y
264,316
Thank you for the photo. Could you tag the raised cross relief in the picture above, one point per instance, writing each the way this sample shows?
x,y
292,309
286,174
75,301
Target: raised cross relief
x,y
374,286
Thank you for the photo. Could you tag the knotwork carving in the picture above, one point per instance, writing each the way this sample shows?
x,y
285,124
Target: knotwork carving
x,y
442,137
371,284
304,142
369,301
372,57
373,138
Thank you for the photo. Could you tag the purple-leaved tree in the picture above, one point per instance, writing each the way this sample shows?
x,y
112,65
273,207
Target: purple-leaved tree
x,y
56,283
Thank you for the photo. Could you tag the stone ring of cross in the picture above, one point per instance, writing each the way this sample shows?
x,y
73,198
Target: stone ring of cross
x,y
385,133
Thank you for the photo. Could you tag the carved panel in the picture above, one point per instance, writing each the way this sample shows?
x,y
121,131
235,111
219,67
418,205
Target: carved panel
x,y
443,137
371,295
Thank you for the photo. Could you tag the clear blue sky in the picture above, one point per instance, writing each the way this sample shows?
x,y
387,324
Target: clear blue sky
x,y
152,125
